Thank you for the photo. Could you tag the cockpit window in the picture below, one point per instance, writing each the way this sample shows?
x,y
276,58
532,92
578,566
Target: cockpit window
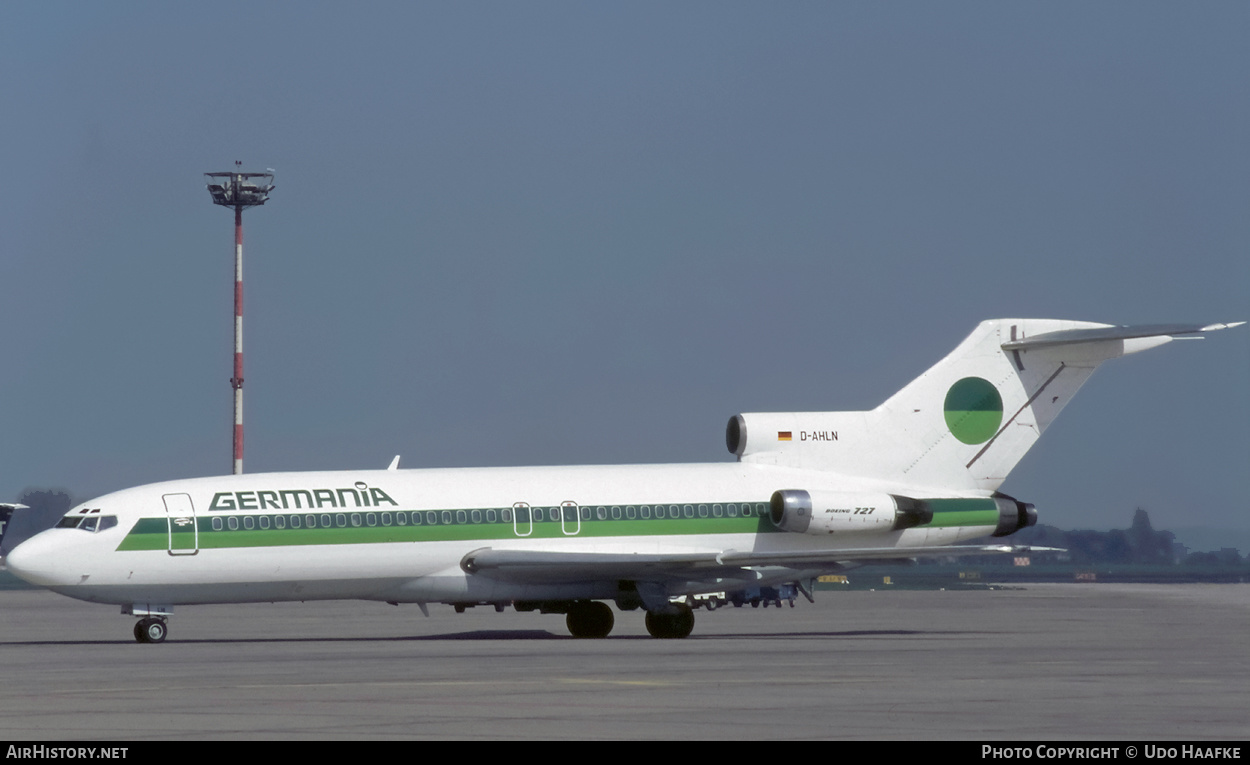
x,y
91,523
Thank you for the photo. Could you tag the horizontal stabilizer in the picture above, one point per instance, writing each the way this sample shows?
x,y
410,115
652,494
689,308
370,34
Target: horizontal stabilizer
x,y
1098,334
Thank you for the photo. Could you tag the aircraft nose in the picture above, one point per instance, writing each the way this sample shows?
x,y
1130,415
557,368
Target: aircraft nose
x,y
37,561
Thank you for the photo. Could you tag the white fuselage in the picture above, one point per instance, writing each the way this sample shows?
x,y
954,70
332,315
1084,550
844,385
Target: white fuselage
x,y
400,535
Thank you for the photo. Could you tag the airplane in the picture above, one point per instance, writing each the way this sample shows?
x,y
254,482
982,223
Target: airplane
x,y
810,493
6,514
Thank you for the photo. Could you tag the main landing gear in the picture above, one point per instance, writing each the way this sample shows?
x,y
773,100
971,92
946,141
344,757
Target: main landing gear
x,y
593,619
589,619
151,630
678,624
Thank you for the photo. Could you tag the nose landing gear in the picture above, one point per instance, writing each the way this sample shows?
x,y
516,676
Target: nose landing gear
x,y
151,630
151,627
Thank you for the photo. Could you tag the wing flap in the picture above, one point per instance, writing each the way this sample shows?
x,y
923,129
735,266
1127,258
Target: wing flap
x,y
545,566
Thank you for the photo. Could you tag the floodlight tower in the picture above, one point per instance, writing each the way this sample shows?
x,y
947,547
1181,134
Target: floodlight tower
x,y
239,190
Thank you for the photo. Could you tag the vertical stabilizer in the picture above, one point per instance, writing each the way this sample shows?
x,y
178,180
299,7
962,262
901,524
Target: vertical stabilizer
x,y
6,516
968,420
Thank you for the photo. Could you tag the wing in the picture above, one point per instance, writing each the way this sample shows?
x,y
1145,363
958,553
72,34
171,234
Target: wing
x,y
535,566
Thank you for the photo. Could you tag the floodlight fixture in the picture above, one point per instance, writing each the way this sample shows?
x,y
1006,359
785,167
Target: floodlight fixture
x,y
239,190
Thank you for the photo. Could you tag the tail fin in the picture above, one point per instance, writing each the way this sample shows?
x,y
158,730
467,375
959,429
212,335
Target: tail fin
x,y
6,515
964,423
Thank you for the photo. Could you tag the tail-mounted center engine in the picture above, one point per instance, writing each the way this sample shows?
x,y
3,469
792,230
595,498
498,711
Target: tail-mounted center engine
x,y
829,512
833,512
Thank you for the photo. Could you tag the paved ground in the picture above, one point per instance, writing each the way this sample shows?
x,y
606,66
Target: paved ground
x,y
1049,662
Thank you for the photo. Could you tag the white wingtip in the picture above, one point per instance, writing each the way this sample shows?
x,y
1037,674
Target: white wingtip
x,y
394,463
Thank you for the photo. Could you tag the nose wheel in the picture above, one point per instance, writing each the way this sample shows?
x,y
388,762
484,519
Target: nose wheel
x,y
151,630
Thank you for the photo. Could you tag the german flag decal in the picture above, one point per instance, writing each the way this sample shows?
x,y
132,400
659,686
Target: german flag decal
x,y
783,435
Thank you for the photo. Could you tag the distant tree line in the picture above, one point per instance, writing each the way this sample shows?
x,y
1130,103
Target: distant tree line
x,y
1140,544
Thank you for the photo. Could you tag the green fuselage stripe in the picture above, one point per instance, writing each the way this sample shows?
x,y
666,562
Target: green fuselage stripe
x,y
353,527
374,526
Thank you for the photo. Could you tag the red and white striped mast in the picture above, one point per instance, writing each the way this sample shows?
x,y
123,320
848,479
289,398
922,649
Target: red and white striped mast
x,y
239,190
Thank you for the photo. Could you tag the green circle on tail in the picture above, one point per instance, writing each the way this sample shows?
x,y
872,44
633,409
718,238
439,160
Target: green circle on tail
x,y
974,410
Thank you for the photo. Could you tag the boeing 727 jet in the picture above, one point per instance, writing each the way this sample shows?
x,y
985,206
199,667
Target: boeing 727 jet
x,y
810,493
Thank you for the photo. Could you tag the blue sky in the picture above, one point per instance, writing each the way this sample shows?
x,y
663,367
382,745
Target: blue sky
x,y
552,233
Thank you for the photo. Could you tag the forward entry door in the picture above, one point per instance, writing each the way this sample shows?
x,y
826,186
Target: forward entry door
x,y
184,534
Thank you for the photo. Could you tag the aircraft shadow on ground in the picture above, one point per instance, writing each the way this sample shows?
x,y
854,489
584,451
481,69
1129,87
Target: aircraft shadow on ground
x,y
510,635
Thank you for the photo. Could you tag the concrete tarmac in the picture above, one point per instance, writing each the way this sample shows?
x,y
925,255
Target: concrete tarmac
x,y
1040,662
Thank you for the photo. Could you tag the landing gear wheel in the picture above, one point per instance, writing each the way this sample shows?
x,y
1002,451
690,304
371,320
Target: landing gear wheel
x,y
675,625
151,630
590,619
